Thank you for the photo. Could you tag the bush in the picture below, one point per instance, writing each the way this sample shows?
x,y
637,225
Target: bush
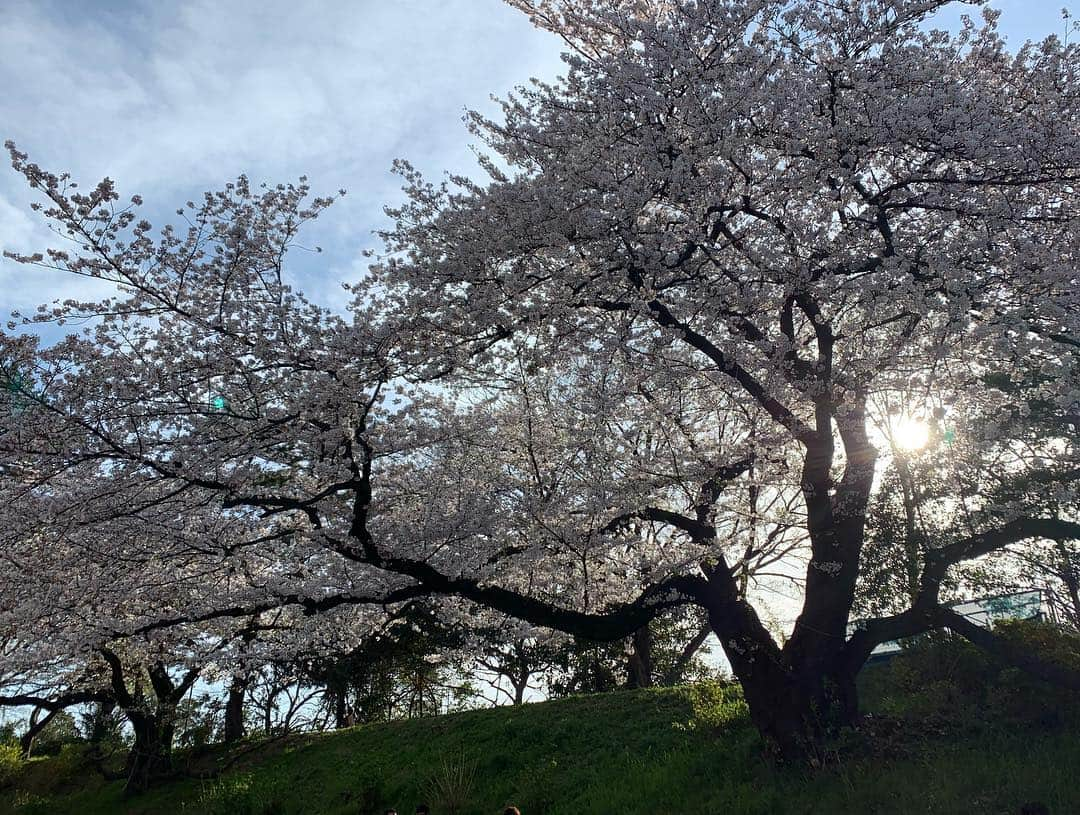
x,y
1051,642
1017,696
11,762
716,705
240,794
944,681
60,731
31,803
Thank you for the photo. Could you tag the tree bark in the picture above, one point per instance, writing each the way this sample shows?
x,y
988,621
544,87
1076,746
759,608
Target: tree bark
x,y
234,710
521,684
150,758
782,702
153,721
639,664
344,715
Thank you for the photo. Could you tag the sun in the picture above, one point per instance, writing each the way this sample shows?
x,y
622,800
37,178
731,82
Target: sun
x,y
910,434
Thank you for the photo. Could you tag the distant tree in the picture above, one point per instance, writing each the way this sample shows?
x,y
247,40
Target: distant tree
x,y
47,689
406,669
61,729
280,699
667,651
102,726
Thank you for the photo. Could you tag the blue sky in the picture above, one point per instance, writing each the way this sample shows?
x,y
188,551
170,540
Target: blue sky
x,y
170,99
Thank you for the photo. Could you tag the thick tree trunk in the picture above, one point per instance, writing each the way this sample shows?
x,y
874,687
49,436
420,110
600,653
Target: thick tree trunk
x,y
844,695
784,713
792,706
798,694
795,712
234,710
96,737
153,720
98,722
151,756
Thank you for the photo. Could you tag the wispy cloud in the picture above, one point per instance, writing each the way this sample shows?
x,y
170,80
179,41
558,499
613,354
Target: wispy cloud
x,y
170,99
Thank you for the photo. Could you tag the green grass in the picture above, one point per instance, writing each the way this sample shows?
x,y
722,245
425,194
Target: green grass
x,y
658,752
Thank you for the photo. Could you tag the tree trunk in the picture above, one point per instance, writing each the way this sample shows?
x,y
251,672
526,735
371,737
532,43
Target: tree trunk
x,y
789,705
151,756
1071,579
844,697
153,720
234,710
344,715
639,664
784,716
33,728
520,686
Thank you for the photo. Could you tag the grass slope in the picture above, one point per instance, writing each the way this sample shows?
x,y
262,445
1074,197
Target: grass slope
x,y
664,751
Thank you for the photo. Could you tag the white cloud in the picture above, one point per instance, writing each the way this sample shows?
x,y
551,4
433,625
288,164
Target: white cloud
x,y
263,86
171,99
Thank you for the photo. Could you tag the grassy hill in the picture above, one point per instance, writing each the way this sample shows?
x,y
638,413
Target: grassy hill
x,y
663,751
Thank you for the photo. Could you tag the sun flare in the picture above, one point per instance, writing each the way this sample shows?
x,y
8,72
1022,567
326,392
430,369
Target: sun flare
x,y
910,434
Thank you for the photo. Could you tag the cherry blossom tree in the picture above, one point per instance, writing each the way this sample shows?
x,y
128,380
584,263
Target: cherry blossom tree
x,y
638,366
803,207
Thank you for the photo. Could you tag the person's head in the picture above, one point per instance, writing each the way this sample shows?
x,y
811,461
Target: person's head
x,y
390,812
511,811
1034,808
423,809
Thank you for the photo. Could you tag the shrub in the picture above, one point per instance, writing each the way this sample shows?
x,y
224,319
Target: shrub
x,y
944,680
1016,696
716,705
30,803
1051,642
61,730
11,762
241,794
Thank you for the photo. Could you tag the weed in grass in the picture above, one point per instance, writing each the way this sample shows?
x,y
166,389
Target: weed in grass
x,y
715,705
450,786
242,794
